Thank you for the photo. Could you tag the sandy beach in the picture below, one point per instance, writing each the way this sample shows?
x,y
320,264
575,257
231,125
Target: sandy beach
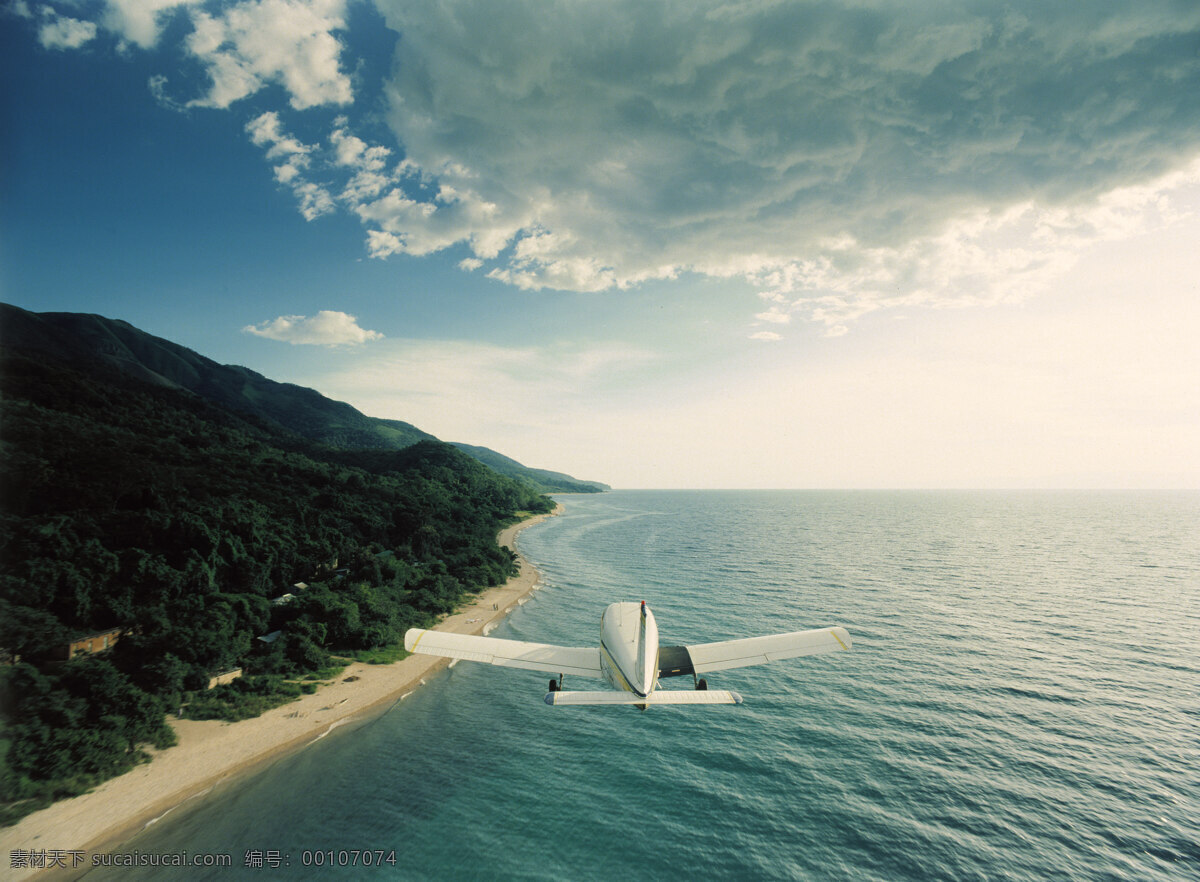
x,y
212,753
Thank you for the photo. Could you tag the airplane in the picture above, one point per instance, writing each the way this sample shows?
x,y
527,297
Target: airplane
x,y
629,658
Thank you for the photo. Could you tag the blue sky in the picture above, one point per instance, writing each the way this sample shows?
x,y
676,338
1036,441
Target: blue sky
x,y
833,244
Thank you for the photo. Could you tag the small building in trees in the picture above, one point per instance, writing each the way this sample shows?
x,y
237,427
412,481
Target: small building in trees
x,y
97,642
224,677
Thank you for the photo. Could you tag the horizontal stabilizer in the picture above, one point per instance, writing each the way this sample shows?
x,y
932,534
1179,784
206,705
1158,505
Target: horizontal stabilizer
x,y
699,696
577,661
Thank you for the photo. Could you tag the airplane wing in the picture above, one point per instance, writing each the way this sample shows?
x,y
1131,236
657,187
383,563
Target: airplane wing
x,y
676,661
658,696
579,661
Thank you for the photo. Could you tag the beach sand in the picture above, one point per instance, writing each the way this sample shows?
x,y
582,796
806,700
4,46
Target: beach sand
x,y
211,753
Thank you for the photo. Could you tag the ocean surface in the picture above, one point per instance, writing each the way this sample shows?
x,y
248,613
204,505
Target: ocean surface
x,y
1022,702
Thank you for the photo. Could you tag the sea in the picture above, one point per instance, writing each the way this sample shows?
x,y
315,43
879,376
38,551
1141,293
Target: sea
x,y
1021,702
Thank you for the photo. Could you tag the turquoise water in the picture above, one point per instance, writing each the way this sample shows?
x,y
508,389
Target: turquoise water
x,y
1022,702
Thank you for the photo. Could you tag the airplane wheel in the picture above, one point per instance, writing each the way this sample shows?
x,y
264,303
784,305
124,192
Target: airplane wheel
x,y
702,685
553,685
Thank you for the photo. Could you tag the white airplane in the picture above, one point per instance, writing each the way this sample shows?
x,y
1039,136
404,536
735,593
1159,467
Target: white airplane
x,y
629,658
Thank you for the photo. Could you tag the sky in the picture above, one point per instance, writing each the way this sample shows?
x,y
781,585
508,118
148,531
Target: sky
x,y
842,244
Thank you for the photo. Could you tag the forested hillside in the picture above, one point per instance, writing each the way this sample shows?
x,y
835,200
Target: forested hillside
x,y
146,510
84,340
551,482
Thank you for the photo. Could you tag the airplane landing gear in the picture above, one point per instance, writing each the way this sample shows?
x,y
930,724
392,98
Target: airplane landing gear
x,y
556,685
701,683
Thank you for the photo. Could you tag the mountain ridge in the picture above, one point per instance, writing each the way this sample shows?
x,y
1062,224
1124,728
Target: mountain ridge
x,y
80,338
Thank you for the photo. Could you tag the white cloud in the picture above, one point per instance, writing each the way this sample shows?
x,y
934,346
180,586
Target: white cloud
x,y
420,227
367,163
326,328
314,200
877,154
380,244
157,83
983,258
244,46
842,157
355,152
137,22
775,316
266,131
290,42
140,21
60,32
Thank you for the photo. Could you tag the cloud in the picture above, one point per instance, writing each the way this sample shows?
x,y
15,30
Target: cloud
x,y
60,32
293,160
774,316
243,46
595,147
290,42
140,21
265,131
314,201
841,157
982,258
326,328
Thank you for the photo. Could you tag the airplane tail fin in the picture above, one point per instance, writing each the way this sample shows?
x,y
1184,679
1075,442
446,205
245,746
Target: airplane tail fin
x,y
700,696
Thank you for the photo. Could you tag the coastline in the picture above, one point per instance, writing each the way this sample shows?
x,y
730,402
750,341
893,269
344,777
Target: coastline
x,y
211,753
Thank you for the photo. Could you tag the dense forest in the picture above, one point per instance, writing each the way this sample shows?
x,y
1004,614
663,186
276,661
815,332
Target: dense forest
x,y
149,511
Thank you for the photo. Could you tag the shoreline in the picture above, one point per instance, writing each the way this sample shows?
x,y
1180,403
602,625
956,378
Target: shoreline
x,y
213,753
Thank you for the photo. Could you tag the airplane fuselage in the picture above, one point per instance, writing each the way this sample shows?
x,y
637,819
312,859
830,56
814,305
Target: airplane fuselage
x,y
629,648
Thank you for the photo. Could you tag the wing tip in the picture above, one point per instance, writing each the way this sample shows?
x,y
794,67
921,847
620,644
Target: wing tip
x,y
411,637
842,636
